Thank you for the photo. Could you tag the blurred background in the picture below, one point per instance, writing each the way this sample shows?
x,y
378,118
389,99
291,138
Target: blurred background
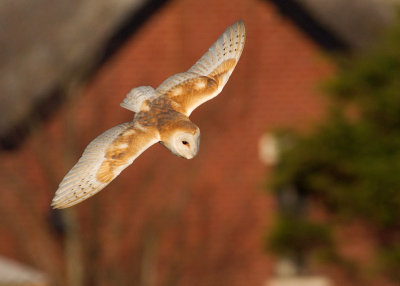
x,y
296,182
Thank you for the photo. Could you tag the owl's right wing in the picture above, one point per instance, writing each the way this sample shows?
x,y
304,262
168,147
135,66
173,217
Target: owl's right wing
x,y
103,159
208,76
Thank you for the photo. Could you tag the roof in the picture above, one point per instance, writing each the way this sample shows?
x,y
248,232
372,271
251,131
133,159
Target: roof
x,y
341,24
356,22
51,51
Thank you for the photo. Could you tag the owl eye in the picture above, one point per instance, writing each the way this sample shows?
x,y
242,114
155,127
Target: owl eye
x,y
185,143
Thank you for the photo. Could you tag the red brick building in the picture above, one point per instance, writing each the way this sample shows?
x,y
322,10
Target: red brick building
x,y
166,220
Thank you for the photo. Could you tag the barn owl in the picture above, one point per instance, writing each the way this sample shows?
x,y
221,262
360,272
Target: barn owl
x,y
161,115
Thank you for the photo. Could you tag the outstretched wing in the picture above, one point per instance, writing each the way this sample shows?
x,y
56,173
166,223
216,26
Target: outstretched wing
x,y
207,77
103,159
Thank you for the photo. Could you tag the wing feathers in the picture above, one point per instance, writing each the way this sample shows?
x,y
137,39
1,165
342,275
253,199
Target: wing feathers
x,y
215,67
229,46
103,159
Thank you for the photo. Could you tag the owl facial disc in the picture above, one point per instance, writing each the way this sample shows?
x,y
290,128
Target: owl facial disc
x,y
184,144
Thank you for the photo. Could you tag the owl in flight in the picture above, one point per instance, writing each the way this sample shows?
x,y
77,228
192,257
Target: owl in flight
x,y
161,115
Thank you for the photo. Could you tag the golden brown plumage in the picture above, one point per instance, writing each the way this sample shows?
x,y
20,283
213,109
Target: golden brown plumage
x,y
161,116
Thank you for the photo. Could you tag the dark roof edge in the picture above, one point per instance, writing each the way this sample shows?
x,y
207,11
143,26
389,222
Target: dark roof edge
x,y
129,27
303,19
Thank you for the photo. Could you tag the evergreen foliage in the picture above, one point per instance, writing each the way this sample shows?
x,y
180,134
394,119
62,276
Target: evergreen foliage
x,y
351,162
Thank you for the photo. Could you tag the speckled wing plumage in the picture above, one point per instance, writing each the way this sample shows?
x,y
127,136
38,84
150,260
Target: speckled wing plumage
x,y
207,77
103,159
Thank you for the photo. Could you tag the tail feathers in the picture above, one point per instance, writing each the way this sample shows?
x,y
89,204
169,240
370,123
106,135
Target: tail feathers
x,y
135,98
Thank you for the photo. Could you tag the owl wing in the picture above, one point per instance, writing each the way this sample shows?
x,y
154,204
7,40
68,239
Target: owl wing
x,y
103,159
207,77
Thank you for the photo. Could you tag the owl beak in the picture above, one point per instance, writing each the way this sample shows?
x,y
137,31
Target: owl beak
x,y
197,143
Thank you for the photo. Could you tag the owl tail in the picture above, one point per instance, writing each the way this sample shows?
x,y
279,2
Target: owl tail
x,y
135,98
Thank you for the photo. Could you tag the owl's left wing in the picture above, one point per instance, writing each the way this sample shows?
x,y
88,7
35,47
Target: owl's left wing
x,y
207,77
103,160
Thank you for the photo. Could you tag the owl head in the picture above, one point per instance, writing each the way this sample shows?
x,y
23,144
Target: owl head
x,y
183,142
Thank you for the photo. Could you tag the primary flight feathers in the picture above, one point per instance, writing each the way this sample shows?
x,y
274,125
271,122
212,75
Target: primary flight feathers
x,y
161,115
